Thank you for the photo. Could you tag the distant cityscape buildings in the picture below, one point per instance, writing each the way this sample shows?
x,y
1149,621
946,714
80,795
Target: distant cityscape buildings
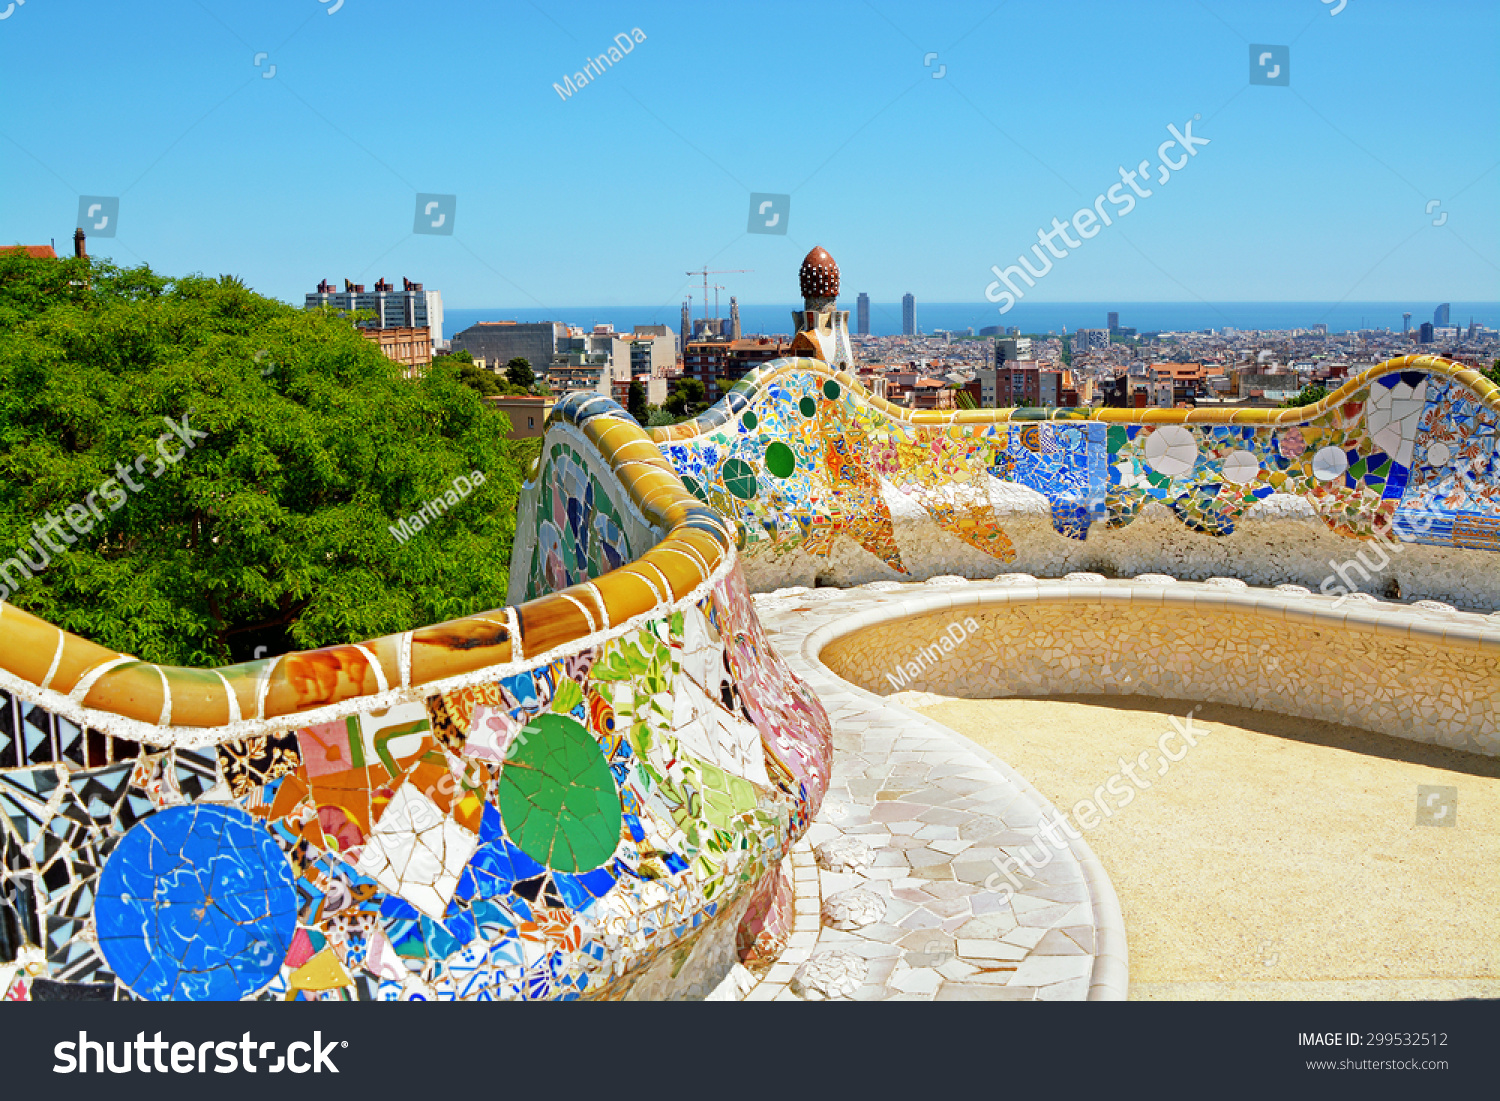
x,y
1090,340
408,324
571,358
950,369
501,341
412,307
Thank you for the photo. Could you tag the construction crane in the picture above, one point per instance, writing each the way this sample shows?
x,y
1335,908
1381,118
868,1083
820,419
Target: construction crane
x,y
717,288
706,273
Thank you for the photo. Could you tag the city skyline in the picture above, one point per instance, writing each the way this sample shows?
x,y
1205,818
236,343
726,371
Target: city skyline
x,y
265,142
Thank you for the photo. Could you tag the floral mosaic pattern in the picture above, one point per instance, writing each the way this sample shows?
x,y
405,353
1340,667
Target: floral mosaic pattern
x,y
797,457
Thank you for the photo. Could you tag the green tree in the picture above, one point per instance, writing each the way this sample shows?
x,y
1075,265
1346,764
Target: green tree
x,y
482,382
636,403
518,372
1310,394
688,398
273,529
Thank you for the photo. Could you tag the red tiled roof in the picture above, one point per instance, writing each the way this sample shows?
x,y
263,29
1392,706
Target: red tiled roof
x,y
36,252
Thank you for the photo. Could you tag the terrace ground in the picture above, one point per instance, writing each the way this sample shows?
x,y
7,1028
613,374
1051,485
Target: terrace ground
x,y
1280,858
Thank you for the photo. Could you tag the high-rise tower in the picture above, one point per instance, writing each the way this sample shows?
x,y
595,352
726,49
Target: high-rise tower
x,y
734,318
862,315
908,315
687,327
1440,317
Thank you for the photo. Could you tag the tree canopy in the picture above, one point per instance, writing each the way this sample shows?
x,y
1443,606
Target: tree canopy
x,y
302,446
1310,394
636,403
518,372
688,399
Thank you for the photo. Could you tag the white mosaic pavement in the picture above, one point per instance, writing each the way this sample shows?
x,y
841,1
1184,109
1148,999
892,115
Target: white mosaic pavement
x,y
916,818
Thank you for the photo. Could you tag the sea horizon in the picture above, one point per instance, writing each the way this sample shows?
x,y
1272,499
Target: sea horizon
x,y
1039,317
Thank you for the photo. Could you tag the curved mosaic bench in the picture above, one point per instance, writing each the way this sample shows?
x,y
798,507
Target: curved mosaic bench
x,y
588,794
808,466
1422,674
591,792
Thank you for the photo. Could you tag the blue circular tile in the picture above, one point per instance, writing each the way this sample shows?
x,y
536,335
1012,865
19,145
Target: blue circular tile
x,y
196,904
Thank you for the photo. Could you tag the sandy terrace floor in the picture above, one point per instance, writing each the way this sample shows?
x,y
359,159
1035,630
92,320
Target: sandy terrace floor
x,y
1280,858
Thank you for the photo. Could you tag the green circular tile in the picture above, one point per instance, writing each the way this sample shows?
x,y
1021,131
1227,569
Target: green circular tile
x,y
781,460
831,390
558,798
750,420
739,479
692,486
808,407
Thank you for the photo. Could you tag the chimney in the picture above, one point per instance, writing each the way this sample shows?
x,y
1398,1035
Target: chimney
x,y
79,250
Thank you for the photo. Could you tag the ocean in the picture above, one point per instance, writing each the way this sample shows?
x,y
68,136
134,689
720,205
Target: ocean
x,y
1040,317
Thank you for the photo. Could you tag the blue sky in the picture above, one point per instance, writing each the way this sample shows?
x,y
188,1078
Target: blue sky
x,y
1313,191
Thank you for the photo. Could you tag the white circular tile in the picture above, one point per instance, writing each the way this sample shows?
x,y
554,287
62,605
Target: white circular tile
x,y
1171,450
1241,467
1329,463
1438,454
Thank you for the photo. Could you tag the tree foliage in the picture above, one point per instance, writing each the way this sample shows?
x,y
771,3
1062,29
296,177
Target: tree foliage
x,y
273,530
518,372
481,380
688,398
636,404
1310,394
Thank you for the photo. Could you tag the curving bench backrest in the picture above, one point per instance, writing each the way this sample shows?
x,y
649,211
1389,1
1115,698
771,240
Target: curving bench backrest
x,y
587,794
114,692
797,454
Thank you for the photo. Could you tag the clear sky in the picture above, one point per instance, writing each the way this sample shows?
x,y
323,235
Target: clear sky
x,y
918,173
